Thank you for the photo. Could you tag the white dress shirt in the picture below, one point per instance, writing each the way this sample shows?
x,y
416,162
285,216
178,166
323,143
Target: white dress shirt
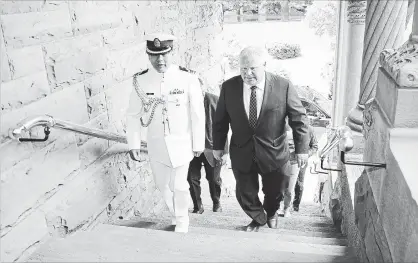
x,y
260,96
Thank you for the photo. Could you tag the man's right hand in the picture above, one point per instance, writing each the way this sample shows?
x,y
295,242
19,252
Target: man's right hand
x,y
136,155
218,154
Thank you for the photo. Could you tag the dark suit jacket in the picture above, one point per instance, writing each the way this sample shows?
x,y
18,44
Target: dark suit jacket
x,y
210,101
268,140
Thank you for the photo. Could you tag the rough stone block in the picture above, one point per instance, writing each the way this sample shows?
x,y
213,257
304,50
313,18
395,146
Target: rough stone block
x,y
98,83
23,237
33,28
99,122
56,105
20,92
98,15
12,152
398,210
97,184
33,179
117,104
214,77
205,34
5,73
14,7
112,38
69,47
368,222
411,254
128,60
146,21
96,105
80,66
91,150
26,61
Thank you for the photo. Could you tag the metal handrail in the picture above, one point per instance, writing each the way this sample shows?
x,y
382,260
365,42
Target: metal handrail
x,y
48,121
341,135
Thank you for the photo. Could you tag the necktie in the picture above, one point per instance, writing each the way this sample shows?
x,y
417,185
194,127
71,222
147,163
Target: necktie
x,y
252,116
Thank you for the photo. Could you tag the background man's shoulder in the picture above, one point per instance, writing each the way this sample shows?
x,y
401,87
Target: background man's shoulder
x,y
231,82
211,97
279,79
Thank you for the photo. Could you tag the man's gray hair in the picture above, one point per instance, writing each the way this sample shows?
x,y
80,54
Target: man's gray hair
x,y
254,51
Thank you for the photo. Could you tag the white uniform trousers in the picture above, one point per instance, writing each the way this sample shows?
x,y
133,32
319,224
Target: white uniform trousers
x,y
172,182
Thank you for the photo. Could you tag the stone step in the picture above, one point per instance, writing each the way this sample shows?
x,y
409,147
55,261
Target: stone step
x,y
230,203
108,243
164,225
231,223
302,223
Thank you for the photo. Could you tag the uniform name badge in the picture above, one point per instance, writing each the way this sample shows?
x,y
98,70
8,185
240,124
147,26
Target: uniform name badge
x,y
174,96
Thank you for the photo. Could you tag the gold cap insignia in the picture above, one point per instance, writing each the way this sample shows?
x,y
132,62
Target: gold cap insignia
x,y
157,42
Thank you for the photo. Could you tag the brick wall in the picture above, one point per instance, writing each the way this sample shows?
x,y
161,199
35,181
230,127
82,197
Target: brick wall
x,y
74,60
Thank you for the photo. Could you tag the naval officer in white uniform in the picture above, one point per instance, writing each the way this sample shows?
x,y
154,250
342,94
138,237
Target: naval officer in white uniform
x,y
168,100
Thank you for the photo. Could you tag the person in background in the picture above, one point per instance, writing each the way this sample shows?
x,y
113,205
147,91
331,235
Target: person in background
x,y
211,165
294,190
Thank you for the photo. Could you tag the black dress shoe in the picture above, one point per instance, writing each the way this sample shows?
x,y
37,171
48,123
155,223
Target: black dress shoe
x,y
254,226
217,208
198,210
296,208
272,221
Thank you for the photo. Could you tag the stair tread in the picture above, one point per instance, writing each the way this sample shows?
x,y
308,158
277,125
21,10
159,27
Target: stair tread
x,y
109,243
286,225
264,233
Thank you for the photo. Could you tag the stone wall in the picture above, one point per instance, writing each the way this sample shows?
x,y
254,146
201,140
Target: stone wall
x,y
376,208
74,60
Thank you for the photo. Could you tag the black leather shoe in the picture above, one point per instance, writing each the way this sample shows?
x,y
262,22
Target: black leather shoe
x,y
296,208
217,208
254,226
272,221
198,210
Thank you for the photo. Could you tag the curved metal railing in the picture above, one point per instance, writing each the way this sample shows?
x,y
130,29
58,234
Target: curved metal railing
x,y
341,136
48,122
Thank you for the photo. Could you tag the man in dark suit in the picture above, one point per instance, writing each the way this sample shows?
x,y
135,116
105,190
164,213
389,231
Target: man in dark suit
x,y
211,165
256,104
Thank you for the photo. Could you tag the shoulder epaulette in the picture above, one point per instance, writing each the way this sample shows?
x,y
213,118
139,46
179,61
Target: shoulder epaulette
x,y
140,73
187,70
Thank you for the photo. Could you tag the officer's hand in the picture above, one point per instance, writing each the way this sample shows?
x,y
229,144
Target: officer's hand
x,y
218,154
302,159
136,155
197,154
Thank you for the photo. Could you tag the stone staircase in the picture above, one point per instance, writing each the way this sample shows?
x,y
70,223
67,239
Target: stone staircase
x,y
307,236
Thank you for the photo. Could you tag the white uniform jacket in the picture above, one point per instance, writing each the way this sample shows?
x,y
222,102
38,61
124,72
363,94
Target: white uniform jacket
x,y
173,143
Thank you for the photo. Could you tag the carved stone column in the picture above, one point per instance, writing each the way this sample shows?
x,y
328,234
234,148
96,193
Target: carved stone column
x,y
385,25
348,58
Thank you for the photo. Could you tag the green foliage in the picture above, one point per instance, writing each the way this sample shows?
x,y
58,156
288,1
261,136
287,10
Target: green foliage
x,y
322,17
283,50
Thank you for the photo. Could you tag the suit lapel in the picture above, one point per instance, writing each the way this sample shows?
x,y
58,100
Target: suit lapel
x,y
267,91
240,98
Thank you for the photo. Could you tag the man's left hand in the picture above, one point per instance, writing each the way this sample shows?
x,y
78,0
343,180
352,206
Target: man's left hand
x,y
197,154
302,159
